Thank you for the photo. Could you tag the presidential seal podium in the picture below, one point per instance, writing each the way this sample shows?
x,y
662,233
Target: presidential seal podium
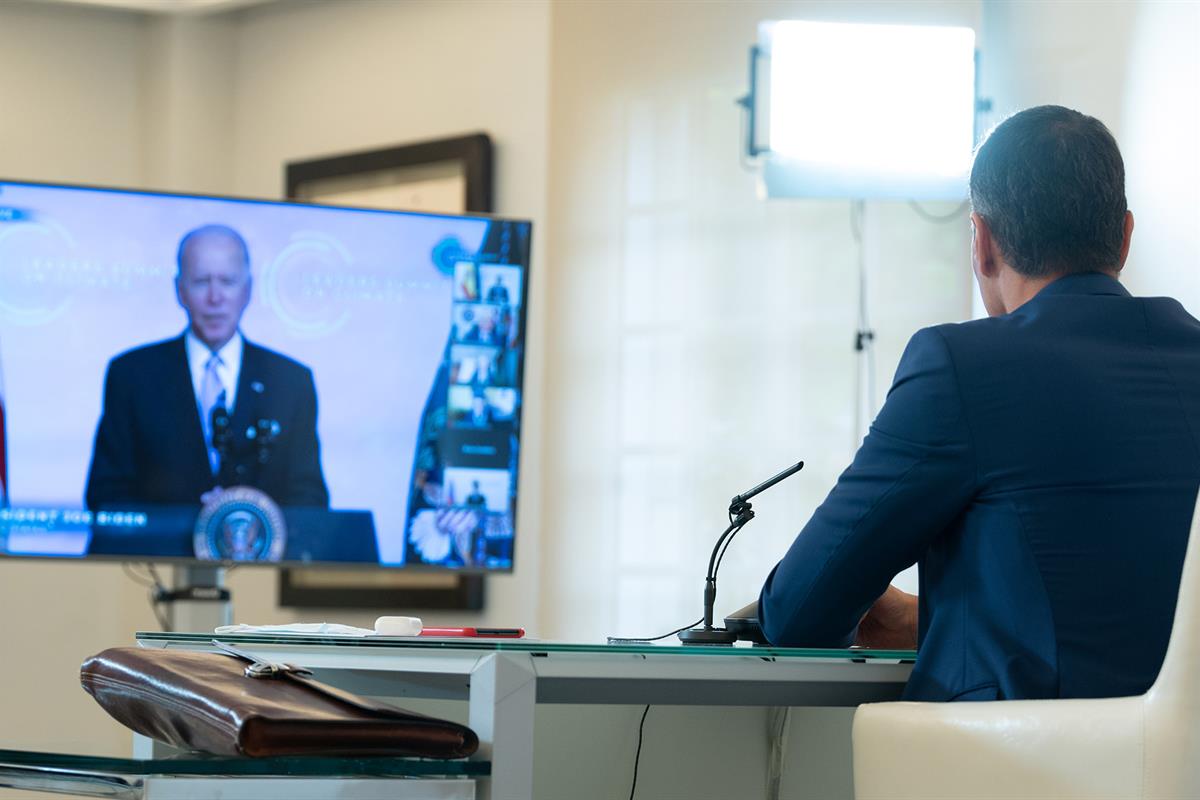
x,y
241,533
241,525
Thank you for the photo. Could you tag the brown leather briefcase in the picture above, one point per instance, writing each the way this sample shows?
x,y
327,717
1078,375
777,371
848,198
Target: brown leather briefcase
x,y
230,703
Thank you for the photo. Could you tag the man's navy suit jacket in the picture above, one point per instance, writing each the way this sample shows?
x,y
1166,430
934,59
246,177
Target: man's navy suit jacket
x,y
150,447
1042,467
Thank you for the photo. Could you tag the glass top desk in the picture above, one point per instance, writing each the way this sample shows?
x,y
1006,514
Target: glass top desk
x,y
502,680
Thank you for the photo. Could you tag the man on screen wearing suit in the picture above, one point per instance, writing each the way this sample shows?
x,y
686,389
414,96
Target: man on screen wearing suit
x,y
155,441
1041,464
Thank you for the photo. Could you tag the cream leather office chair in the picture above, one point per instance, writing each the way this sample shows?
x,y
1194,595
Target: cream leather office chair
x,y
1125,748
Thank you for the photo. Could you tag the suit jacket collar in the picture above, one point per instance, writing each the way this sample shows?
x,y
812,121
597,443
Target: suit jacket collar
x,y
178,384
1084,283
250,387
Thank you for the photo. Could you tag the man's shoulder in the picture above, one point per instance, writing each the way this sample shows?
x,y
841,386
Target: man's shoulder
x,y
954,349
983,328
1103,322
947,337
954,337
147,355
274,361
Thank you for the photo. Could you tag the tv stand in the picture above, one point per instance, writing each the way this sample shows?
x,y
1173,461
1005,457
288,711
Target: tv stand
x,y
198,600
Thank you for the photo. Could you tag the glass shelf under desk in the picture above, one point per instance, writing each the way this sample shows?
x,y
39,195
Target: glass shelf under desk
x,y
103,776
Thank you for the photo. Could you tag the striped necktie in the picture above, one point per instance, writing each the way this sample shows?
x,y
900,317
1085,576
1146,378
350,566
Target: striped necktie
x,y
212,396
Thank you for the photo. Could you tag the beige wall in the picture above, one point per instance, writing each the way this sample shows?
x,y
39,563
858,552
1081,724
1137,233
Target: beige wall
x,y
71,101
1135,66
687,339
71,109
188,85
1160,136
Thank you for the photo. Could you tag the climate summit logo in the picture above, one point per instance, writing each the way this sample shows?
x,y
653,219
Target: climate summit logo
x,y
40,268
315,280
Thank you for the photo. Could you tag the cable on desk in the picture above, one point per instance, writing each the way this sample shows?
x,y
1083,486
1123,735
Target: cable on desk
x,y
620,640
637,757
132,574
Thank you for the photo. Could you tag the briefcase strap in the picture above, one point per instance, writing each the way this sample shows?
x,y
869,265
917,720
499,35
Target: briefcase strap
x,y
260,667
263,668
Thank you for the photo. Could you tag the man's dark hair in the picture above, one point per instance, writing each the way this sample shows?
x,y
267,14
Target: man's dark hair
x,y
1050,183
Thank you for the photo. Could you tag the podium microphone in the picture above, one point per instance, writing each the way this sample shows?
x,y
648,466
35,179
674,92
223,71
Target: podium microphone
x,y
222,437
740,513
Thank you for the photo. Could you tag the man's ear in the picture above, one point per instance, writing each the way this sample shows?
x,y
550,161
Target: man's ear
x,y
983,246
1128,234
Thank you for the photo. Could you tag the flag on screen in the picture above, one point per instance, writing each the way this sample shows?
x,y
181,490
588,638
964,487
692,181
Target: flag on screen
x,y
3,446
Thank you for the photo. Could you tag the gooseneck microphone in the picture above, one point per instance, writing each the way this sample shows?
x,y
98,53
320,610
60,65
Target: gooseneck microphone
x,y
742,500
740,513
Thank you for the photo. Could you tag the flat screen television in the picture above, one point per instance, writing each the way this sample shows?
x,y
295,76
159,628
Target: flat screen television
x,y
208,378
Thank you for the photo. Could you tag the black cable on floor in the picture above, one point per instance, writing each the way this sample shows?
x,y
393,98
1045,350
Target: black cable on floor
x,y
156,590
637,757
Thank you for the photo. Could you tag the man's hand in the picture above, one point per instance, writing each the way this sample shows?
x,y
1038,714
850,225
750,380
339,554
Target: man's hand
x,y
891,623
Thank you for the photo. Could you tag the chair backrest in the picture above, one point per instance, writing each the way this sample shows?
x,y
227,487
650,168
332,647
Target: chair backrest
x,y
1181,664
1172,706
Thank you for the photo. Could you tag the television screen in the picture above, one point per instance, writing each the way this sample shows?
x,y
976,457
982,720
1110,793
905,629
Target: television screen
x,y
188,377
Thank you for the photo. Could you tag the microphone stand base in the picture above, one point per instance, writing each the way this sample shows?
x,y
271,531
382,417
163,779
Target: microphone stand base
x,y
707,636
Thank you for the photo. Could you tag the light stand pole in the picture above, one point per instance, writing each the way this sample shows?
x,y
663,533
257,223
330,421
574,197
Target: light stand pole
x,y
863,226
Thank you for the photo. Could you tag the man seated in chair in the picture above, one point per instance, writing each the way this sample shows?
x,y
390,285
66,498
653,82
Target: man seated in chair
x,y
1041,465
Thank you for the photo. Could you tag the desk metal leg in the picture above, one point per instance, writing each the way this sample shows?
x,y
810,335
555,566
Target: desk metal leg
x,y
143,746
503,693
146,748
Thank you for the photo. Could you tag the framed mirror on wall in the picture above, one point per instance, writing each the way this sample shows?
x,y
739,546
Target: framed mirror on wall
x,y
450,176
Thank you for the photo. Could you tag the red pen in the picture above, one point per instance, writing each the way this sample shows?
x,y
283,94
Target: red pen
x,y
497,633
